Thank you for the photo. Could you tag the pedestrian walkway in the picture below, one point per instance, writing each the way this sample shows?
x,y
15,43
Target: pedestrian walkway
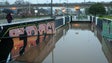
x,y
4,21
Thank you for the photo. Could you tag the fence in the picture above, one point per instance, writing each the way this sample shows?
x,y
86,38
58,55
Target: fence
x,y
17,37
81,18
107,28
62,21
105,25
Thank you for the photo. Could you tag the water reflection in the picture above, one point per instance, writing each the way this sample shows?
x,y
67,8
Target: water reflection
x,y
79,45
82,26
38,53
107,49
24,38
73,43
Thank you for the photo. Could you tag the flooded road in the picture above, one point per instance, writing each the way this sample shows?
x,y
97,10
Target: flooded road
x,y
72,43
79,44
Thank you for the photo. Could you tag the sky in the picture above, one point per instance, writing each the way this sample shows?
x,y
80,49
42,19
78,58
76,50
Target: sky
x,y
57,1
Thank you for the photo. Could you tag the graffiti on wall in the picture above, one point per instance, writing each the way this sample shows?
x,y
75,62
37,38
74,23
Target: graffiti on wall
x,y
26,37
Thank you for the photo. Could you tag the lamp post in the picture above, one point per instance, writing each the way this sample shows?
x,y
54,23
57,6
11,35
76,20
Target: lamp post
x,y
84,1
67,7
51,8
29,7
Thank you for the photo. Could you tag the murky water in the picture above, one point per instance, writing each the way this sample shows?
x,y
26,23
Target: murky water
x,y
73,43
78,45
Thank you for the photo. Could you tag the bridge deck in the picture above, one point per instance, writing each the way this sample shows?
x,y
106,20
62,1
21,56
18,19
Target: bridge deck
x,y
4,21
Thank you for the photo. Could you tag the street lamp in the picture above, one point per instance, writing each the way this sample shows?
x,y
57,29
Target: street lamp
x,y
67,7
51,8
29,7
84,1
36,11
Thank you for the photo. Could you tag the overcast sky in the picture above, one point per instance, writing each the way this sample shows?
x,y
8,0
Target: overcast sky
x,y
56,1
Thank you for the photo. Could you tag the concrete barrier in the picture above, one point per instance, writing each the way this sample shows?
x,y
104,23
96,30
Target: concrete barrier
x,y
17,28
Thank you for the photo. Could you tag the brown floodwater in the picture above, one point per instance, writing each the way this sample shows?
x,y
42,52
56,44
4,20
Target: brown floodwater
x,y
81,43
72,43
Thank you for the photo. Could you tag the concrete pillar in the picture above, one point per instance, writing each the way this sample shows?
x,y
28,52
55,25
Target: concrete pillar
x,y
92,18
75,17
96,20
89,18
63,20
69,19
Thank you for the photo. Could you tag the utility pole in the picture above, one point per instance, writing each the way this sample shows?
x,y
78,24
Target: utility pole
x,y
29,6
51,8
19,1
84,1
67,7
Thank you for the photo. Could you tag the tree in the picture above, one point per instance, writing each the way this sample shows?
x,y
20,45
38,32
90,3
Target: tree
x,y
86,11
97,9
110,8
6,2
19,2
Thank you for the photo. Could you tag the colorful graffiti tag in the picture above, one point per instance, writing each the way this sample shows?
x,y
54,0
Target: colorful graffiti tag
x,y
29,36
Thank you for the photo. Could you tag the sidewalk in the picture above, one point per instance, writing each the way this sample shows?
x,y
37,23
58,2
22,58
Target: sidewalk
x,y
4,21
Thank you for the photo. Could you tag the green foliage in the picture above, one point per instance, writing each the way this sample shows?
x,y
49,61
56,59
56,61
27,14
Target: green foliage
x,y
106,16
111,2
87,11
97,9
110,10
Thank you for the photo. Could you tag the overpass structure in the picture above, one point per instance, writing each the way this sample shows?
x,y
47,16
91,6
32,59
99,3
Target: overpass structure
x,y
70,5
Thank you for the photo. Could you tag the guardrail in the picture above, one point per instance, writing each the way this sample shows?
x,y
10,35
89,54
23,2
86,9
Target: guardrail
x,y
62,21
35,27
81,19
104,24
17,36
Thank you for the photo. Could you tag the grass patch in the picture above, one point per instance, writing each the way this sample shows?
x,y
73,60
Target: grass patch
x,y
109,17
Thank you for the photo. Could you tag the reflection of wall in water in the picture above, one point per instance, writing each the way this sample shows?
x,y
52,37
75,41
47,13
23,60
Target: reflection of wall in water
x,y
106,45
44,48
107,49
59,32
99,36
82,26
39,53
